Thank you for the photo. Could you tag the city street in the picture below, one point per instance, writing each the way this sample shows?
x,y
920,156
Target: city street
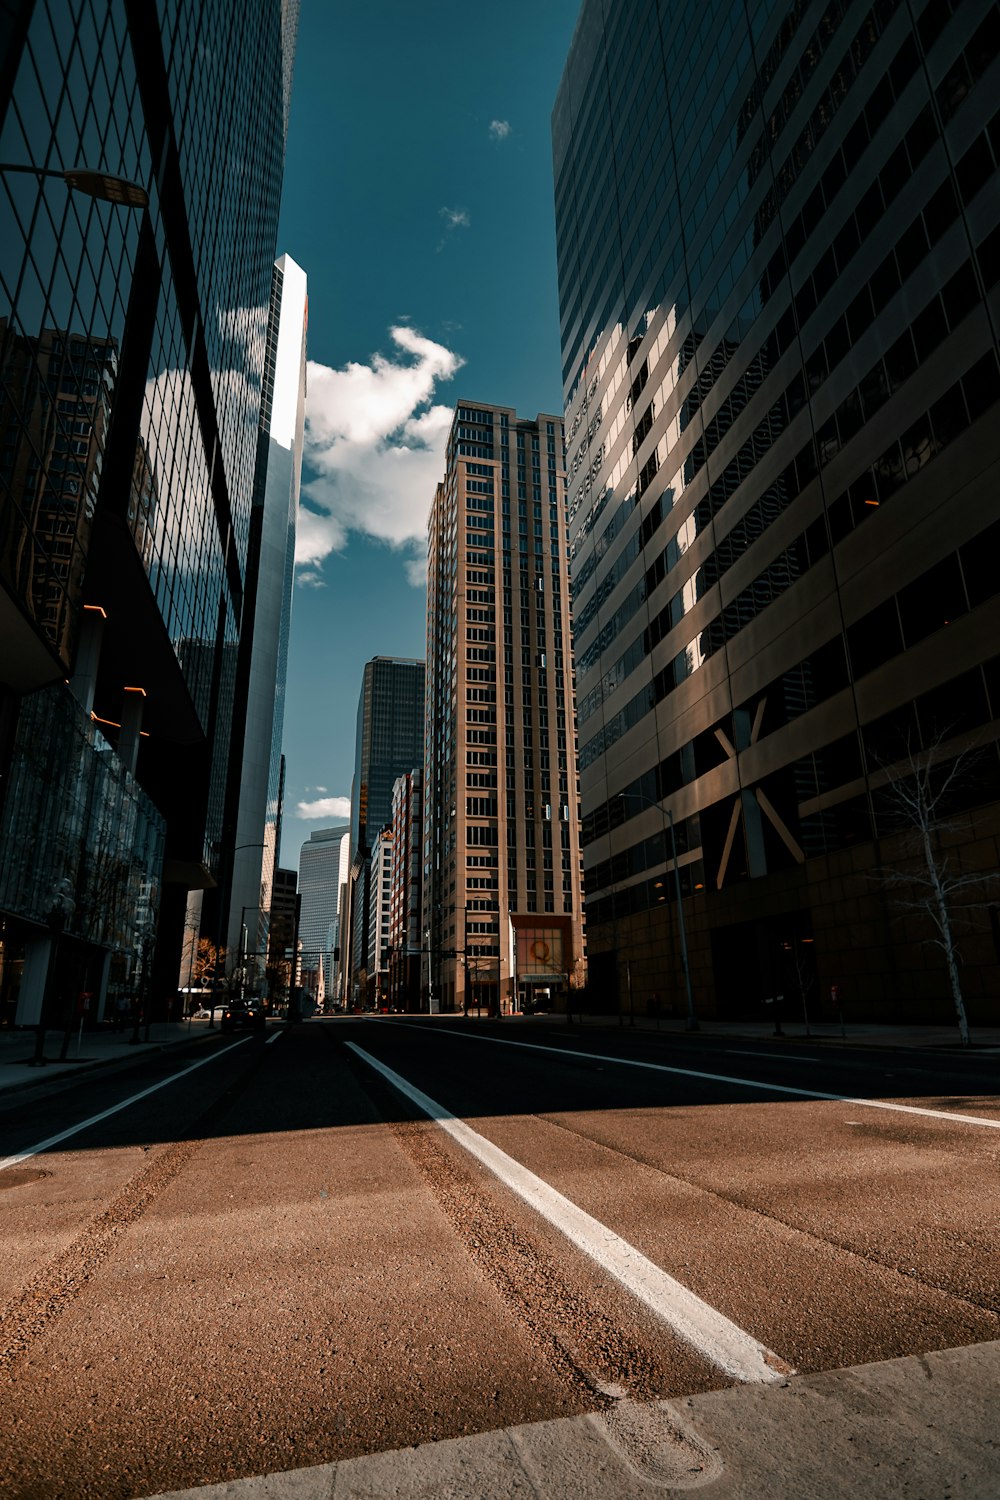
x,y
354,1236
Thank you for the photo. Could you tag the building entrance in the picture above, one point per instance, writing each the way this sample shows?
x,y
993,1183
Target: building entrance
x,y
766,970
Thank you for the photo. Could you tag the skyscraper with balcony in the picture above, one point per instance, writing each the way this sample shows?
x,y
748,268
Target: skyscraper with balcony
x,y
133,309
502,889
778,232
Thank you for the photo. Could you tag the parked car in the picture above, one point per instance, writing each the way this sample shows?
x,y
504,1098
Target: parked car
x,y
243,1015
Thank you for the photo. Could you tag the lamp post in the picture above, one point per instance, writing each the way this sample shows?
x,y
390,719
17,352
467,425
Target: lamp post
x,y
100,185
59,913
691,1022
430,970
223,917
244,953
465,960
144,946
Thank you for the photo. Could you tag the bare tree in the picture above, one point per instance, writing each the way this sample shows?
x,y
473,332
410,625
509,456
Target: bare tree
x,y
207,961
919,793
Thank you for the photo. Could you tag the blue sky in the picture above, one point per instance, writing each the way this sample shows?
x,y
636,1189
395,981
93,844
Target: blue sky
x,y
418,199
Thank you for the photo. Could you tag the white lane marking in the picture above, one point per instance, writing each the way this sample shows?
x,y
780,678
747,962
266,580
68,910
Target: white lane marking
x,y
273,1038
781,1056
699,1324
745,1083
53,1140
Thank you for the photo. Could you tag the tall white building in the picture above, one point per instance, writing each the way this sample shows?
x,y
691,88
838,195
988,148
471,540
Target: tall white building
x,y
252,794
269,587
338,941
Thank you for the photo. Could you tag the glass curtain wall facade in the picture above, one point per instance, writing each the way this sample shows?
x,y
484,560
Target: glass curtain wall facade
x,y
778,238
132,341
501,832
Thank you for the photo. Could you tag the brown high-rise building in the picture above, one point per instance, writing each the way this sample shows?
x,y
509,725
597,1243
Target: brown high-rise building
x,y
502,917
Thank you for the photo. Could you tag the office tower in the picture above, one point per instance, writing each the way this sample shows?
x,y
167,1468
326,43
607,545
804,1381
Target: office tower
x,y
405,940
778,252
139,191
319,896
282,916
502,908
282,927
389,742
339,946
255,778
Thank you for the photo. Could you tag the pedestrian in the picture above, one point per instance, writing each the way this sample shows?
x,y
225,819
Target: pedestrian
x,y
119,1013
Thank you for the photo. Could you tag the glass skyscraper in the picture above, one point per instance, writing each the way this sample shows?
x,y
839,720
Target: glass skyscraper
x,y
133,317
389,742
778,233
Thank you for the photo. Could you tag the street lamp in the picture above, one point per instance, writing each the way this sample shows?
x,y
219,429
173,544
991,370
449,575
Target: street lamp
x,y
691,1023
223,918
60,910
100,185
244,937
146,933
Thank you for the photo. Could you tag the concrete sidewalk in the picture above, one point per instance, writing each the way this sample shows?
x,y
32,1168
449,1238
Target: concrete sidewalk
x,y
983,1038
100,1047
920,1428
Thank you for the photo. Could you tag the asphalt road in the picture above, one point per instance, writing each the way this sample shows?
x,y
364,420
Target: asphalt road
x,y
361,1235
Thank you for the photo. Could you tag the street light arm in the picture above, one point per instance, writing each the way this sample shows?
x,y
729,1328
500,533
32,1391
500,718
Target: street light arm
x,y
103,186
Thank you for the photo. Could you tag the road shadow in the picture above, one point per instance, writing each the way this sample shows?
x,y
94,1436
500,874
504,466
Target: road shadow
x,y
308,1078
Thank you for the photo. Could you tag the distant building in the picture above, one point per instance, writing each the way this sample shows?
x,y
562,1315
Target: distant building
x,y
281,925
405,940
778,240
379,899
338,943
319,892
503,911
389,742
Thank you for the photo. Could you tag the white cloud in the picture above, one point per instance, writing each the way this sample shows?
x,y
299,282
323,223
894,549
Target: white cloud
x,y
499,130
170,403
455,218
374,451
325,807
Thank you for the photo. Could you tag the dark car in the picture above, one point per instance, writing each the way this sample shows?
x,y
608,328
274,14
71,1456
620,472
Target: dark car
x,y
243,1015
